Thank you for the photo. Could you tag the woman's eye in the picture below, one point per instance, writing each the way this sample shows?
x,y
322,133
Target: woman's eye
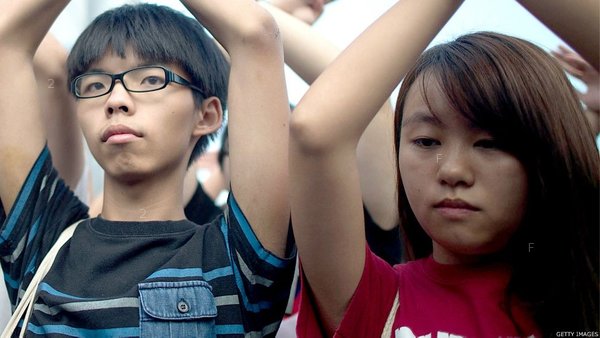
x,y
487,144
426,142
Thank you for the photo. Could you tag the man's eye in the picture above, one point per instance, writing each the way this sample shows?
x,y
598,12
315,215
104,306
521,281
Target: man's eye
x,y
152,81
94,87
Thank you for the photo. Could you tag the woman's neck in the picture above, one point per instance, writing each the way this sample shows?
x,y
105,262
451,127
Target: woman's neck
x,y
443,256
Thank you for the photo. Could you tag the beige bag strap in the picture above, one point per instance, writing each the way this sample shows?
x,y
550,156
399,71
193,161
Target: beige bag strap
x,y
26,304
389,323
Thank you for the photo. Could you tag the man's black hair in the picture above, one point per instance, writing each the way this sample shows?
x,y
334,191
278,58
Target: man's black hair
x,y
156,34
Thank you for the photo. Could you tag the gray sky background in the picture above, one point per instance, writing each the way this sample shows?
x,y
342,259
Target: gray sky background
x,y
343,20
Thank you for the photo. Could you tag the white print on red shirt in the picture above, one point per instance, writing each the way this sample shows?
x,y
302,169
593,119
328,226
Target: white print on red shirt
x,y
405,332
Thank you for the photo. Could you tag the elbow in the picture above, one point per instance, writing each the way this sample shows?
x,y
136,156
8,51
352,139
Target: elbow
x,y
262,30
306,136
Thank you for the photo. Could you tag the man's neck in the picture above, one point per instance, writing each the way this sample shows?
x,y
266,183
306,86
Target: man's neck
x,y
152,199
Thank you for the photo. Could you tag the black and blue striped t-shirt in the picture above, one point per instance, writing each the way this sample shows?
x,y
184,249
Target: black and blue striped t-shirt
x,y
151,278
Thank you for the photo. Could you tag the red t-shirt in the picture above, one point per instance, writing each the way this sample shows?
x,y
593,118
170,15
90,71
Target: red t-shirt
x,y
434,300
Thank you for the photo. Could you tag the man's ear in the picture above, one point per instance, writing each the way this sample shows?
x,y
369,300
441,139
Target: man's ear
x,y
210,117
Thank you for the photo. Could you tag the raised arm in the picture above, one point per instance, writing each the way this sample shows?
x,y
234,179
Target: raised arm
x,y
23,24
258,113
308,53
325,130
575,65
63,132
305,10
576,21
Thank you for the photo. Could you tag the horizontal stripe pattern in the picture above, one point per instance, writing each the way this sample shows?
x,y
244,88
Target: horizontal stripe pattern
x,y
92,289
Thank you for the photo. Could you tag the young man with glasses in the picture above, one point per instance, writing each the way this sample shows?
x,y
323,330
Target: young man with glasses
x,y
151,89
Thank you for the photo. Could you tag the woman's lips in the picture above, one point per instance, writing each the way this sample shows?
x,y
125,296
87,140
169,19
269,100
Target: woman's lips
x,y
455,208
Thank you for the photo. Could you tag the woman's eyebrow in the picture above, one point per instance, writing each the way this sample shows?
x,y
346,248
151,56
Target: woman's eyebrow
x,y
422,117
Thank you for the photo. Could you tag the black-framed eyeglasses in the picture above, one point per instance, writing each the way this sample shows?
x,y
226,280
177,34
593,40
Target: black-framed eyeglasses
x,y
137,80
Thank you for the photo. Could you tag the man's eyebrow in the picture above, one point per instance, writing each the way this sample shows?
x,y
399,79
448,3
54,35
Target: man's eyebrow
x,y
422,117
141,64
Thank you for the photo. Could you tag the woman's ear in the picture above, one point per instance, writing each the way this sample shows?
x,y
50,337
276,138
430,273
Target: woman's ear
x,y
210,117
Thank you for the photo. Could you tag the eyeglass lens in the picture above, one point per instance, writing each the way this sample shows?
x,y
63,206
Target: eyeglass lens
x,y
139,80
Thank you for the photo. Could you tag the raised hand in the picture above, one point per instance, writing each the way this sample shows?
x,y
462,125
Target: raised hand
x,y
306,10
575,65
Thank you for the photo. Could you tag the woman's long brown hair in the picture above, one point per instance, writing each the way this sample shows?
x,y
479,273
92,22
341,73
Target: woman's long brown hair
x,y
517,92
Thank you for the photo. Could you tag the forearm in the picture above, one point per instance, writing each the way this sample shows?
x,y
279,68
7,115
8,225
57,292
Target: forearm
x,y
309,53
62,129
258,113
24,23
377,168
240,26
355,85
575,21
593,117
306,51
60,121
